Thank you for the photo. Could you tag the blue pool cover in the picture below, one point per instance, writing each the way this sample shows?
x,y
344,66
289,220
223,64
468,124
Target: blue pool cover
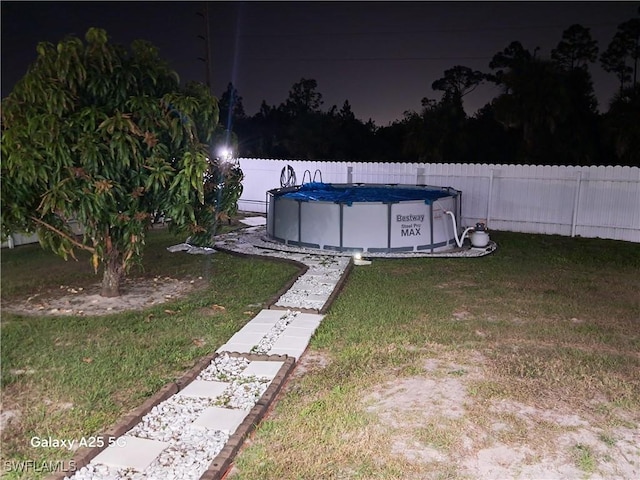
x,y
326,192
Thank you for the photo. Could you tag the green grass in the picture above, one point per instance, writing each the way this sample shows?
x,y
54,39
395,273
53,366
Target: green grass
x,y
585,459
547,322
70,377
554,320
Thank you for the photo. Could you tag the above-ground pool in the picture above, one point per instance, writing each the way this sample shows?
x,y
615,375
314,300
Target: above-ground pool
x,y
364,217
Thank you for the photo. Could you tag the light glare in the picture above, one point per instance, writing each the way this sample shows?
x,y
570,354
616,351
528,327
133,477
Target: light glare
x,y
225,153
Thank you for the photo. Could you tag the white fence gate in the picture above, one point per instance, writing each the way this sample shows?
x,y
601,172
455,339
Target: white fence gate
x,y
572,201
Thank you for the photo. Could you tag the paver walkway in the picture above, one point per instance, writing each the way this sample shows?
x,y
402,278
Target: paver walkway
x,y
179,438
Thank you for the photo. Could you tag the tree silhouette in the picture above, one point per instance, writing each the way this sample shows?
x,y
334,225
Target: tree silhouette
x,y
622,128
535,100
576,49
303,98
621,56
458,81
575,141
546,113
231,107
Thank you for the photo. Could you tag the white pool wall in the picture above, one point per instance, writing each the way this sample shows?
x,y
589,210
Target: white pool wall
x,y
411,225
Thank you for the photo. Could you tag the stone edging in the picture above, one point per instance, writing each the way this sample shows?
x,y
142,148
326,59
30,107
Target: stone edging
x,y
83,456
338,288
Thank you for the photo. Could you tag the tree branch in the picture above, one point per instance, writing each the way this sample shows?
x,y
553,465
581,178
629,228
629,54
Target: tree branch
x,y
470,90
62,234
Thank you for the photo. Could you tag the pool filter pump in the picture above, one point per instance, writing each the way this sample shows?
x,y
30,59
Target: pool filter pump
x,y
479,236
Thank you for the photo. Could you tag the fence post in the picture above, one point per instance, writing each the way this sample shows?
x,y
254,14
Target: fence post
x,y
420,179
490,195
349,175
576,200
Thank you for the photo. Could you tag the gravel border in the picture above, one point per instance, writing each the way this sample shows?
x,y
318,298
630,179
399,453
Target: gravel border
x,y
254,240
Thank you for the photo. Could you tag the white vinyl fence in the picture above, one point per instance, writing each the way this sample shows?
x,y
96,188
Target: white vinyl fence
x,y
591,202
572,201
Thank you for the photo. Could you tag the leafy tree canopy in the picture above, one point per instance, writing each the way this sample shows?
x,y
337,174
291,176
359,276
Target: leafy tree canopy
x,y
104,135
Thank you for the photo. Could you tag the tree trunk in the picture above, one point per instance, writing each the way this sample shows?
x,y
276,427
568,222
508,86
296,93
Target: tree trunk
x,y
113,273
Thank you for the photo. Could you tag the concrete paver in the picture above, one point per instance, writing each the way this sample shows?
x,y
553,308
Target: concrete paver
x,y
268,316
262,369
304,320
236,347
302,333
289,342
292,349
218,418
246,337
257,328
131,452
204,388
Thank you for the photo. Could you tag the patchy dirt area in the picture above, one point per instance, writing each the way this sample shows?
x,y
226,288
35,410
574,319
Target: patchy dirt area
x,y
439,424
137,294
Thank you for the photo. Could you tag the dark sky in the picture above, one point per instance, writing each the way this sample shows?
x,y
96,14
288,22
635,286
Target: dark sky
x,y
381,56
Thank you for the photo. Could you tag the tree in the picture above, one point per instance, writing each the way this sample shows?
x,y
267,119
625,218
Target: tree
x,y
621,56
621,126
514,59
535,100
303,98
445,122
347,136
104,136
576,49
575,139
263,133
300,121
346,114
231,107
434,135
458,81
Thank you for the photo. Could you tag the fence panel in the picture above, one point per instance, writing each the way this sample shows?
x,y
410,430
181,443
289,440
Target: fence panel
x,y
586,201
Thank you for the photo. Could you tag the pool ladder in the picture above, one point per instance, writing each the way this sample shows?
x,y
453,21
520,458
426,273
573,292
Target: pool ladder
x,y
317,172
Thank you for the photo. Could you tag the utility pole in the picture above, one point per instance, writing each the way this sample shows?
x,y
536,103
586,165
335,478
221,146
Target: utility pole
x,y
207,40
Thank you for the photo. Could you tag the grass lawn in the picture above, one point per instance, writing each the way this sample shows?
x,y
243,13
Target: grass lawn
x,y
426,368
522,364
70,377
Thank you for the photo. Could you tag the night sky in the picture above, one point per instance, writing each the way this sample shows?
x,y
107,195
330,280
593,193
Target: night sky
x,y
380,56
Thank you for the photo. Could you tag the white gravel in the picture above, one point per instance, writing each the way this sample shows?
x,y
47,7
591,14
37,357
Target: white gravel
x,y
265,345
191,449
254,240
